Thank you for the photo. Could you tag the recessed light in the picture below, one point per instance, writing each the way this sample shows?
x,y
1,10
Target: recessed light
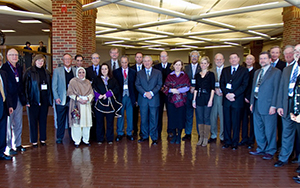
x,y
8,31
29,21
46,30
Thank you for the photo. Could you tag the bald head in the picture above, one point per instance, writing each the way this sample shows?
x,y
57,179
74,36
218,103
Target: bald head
x,y
289,54
12,56
219,59
250,60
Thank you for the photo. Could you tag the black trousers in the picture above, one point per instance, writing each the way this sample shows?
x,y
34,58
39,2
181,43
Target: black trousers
x,y
232,119
37,121
100,128
3,127
163,99
62,114
135,121
247,136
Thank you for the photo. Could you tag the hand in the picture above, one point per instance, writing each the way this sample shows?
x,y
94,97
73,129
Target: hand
x,y
194,104
11,110
272,110
28,105
175,91
192,89
230,97
209,103
293,117
251,107
81,101
57,101
246,100
104,96
218,92
280,111
148,95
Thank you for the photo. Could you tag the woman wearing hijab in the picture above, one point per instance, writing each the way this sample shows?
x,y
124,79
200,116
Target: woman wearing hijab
x,y
37,82
106,91
81,94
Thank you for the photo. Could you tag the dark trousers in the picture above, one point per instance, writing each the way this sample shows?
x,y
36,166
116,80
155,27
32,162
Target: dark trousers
x,y
163,99
135,120
3,128
93,136
149,117
62,114
232,119
37,120
247,136
279,131
100,128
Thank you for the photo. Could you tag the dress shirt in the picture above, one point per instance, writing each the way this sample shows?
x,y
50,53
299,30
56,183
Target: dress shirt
x,y
236,68
194,67
219,71
250,69
68,69
97,68
164,65
275,62
148,70
114,64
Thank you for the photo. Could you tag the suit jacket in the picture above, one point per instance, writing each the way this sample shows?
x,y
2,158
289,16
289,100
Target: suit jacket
x,y
154,84
3,105
249,87
109,63
280,65
59,84
165,72
268,89
189,71
90,75
118,74
238,85
283,91
14,89
134,67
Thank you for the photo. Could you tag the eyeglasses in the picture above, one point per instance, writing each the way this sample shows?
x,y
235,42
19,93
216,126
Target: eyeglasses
x,y
13,54
95,58
79,60
194,56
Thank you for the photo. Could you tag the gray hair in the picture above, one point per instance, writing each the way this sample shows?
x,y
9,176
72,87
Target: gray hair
x,y
195,51
288,46
148,57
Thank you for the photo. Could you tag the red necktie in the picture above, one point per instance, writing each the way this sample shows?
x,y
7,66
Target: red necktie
x,y
125,75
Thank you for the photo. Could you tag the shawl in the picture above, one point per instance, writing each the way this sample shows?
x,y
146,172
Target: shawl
x,y
174,82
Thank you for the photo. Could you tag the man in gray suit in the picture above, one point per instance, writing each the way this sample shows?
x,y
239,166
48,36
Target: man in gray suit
x,y
148,83
191,70
217,109
60,82
263,105
284,100
114,62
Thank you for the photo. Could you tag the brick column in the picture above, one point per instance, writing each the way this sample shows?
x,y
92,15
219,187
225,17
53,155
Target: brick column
x,y
66,29
291,30
89,36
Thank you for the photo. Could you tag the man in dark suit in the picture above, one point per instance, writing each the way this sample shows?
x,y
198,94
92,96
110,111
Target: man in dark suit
x,y
247,116
263,105
78,60
191,70
284,101
137,67
16,101
164,68
126,78
233,83
93,71
114,62
3,114
148,83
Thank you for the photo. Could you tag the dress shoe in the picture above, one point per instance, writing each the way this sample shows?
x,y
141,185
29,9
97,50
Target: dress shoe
x,y
234,147
59,141
5,157
35,145
279,163
268,156
173,140
225,146
21,148
170,135
211,140
12,152
119,138
257,153
110,142
87,144
187,137
295,160
143,140
250,146
297,181
298,169
43,143
178,139
131,138
242,143
296,177
76,145
100,143
154,142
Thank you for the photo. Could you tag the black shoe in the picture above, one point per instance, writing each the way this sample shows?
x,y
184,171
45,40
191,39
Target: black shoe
x,y
59,141
297,181
173,140
242,144
298,169
135,133
178,139
131,138
187,137
143,140
21,148
211,140
87,144
12,152
76,145
154,142
250,146
170,135
35,145
5,157
279,163
225,146
43,143
234,147
119,138
296,177
295,160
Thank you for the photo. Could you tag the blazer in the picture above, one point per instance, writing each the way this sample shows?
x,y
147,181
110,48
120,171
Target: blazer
x,y
239,84
14,89
249,87
165,72
134,67
59,89
280,65
118,74
154,84
109,63
283,91
3,105
268,89
90,75
189,71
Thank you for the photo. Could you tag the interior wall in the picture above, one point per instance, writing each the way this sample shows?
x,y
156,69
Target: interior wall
x,y
34,40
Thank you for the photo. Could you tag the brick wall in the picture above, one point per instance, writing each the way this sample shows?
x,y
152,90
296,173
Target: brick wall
x,y
291,30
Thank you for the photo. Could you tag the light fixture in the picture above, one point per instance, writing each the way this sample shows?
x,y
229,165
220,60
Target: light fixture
x,y
156,42
232,43
112,42
182,3
258,33
161,22
207,32
150,46
46,30
112,37
123,45
157,37
107,24
5,8
177,49
8,31
200,38
29,21
219,23
160,49
155,31
189,46
220,46
245,38
265,26
192,42
104,31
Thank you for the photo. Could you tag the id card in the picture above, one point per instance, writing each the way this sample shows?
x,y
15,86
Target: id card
x,y
256,89
17,79
228,86
217,84
125,87
44,87
193,81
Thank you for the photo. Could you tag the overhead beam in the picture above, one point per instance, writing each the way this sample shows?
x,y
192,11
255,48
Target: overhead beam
x,y
97,4
294,2
27,14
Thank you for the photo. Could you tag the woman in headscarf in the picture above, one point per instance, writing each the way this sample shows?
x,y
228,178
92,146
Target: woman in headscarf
x,y
106,91
81,94
38,93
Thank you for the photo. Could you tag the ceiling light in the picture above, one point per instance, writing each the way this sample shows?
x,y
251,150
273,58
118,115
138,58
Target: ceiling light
x,y
155,31
46,30
112,42
156,42
161,22
149,38
200,38
8,31
150,46
232,43
5,8
107,24
267,25
258,33
206,32
29,21
221,46
219,23
112,37
193,42
182,3
177,49
160,49
245,38
189,46
107,30
123,45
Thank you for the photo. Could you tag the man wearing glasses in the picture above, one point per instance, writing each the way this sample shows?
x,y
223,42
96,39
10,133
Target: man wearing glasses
x,y
93,71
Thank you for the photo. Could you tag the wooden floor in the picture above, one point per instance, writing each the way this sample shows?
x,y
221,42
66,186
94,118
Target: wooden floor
x,y
132,164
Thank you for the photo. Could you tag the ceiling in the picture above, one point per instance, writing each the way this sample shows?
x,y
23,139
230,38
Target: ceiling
x,y
164,24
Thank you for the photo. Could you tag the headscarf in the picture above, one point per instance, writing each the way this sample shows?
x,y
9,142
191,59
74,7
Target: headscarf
x,y
79,87
77,72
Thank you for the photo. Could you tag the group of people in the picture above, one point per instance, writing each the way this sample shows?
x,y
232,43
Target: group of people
x,y
82,97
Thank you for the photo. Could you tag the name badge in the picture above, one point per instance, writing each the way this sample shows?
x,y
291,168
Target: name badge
x,y
291,85
125,87
17,79
256,89
228,86
193,81
44,87
217,84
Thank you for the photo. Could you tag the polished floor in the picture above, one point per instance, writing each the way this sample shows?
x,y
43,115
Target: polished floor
x,y
132,164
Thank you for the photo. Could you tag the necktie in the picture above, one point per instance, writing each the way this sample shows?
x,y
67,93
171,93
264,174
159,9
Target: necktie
x,y
2,90
125,75
293,80
233,71
273,64
138,68
113,66
95,71
259,82
219,73
148,74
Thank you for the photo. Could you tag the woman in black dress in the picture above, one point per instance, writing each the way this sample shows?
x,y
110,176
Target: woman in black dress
x,y
203,99
106,90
